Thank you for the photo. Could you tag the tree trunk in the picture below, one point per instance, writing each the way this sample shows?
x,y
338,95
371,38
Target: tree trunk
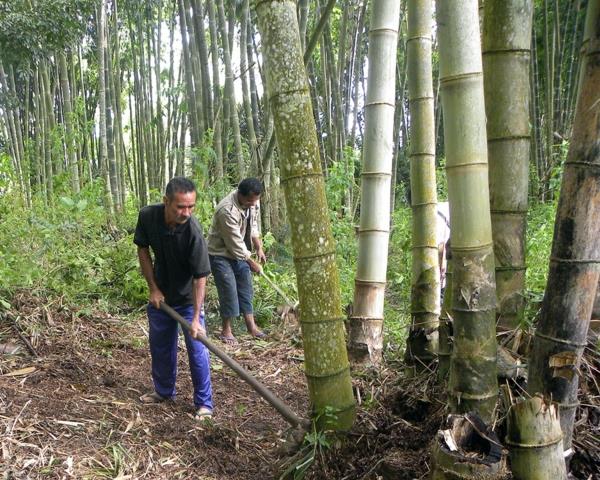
x,y
472,384
327,368
425,292
561,333
506,58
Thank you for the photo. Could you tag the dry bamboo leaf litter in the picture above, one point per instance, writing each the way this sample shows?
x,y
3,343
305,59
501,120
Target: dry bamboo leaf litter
x,y
84,419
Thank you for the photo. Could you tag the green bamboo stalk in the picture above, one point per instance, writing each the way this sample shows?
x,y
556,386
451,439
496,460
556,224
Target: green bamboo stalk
x,y
326,365
103,159
207,106
192,111
425,291
240,166
365,335
216,87
253,143
506,59
472,384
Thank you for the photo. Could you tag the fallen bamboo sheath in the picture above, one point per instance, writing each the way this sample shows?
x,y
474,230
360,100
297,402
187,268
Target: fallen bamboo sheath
x,y
263,391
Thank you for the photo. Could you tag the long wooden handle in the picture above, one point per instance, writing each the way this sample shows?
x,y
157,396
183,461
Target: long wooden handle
x,y
263,391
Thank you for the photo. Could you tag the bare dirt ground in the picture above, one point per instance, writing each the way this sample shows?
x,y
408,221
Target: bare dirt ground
x,y
69,408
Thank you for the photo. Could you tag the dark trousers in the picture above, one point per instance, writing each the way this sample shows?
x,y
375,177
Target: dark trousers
x,y
163,348
233,279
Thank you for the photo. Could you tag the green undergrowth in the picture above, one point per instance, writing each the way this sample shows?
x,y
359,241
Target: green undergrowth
x,y
70,249
75,250
540,229
397,308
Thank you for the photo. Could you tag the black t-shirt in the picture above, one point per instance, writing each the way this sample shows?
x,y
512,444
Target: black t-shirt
x,y
180,253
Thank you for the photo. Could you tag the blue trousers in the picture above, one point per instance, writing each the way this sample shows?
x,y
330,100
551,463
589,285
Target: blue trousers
x,y
233,279
163,348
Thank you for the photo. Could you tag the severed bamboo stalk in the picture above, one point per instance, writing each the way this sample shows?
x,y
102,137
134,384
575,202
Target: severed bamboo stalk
x,y
535,441
466,448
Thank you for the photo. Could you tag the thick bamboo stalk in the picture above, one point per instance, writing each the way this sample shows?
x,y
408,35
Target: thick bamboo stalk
x,y
111,134
425,279
229,94
365,333
207,100
116,87
196,75
591,14
574,272
327,368
13,129
534,440
103,159
446,327
252,141
506,59
216,88
192,111
252,64
472,385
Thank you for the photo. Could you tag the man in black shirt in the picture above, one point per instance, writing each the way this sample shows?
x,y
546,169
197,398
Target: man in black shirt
x,y
177,277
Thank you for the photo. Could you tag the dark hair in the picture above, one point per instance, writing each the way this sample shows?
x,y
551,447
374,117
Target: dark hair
x,y
250,186
179,185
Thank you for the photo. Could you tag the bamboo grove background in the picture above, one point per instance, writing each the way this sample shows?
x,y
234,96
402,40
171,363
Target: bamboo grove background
x,y
132,93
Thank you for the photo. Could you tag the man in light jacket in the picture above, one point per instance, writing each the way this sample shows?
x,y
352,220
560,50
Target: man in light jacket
x,y
235,230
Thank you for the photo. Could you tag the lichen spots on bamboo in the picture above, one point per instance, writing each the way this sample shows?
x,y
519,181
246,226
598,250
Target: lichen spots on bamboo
x,y
303,184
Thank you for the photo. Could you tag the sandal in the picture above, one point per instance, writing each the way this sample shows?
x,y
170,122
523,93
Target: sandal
x,y
203,414
228,339
154,397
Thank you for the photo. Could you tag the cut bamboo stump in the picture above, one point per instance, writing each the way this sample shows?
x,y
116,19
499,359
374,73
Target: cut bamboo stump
x,y
466,448
534,439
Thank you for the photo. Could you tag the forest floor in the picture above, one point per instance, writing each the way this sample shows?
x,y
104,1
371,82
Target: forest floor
x,y
69,408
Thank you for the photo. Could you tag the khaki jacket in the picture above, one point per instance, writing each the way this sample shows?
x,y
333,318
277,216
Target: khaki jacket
x,y
231,224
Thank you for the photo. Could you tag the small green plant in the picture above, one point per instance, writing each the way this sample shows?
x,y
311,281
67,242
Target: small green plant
x,y
114,464
240,409
315,443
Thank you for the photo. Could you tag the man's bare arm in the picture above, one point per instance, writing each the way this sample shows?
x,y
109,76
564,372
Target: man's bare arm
x,y
198,292
156,296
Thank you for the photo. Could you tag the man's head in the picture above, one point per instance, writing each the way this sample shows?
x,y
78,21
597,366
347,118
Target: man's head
x,y
179,200
249,192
